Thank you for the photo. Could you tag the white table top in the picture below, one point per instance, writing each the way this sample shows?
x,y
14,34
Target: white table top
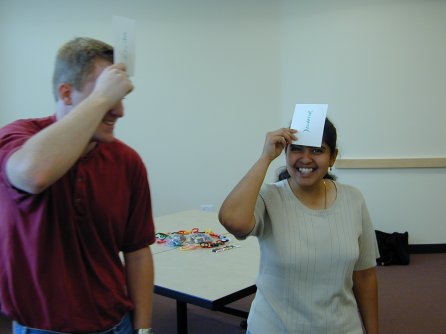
x,y
202,273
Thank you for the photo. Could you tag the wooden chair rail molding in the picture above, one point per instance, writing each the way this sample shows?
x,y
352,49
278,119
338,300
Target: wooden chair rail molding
x,y
391,163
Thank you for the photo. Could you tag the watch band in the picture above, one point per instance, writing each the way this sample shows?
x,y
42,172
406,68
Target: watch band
x,y
143,331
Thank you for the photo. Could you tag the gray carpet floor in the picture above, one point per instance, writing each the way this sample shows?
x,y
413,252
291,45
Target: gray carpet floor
x,y
412,301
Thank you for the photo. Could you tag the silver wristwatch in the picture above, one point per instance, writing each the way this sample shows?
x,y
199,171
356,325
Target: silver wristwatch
x,y
143,331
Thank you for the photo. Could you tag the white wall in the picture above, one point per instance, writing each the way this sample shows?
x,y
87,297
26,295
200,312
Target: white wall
x,y
381,67
206,81
212,77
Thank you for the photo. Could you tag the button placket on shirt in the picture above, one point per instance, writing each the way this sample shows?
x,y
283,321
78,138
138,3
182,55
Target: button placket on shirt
x,y
79,191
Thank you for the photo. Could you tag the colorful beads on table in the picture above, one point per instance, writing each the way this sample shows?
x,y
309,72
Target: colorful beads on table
x,y
192,239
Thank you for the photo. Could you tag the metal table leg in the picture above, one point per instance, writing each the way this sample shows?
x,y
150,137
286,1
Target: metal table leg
x,y
181,317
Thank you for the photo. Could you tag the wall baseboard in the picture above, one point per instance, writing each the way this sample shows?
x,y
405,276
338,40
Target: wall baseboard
x,y
427,248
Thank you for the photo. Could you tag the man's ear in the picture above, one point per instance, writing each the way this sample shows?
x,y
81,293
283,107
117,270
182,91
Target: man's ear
x,y
65,90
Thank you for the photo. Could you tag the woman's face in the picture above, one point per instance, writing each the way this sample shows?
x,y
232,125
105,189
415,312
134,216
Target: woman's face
x,y
308,165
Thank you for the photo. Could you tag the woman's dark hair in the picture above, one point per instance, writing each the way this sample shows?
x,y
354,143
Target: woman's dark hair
x,y
329,137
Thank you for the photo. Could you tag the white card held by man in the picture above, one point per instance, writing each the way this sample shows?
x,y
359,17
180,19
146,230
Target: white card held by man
x,y
124,37
309,121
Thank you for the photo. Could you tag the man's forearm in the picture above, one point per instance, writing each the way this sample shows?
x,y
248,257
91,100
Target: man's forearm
x,y
140,280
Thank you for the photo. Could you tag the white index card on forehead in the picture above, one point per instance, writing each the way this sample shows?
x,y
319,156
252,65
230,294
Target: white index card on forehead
x,y
309,121
124,30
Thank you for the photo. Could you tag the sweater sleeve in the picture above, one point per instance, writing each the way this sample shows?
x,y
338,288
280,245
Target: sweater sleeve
x,y
368,246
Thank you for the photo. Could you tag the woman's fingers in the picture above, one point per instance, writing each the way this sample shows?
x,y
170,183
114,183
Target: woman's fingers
x,y
284,136
277,140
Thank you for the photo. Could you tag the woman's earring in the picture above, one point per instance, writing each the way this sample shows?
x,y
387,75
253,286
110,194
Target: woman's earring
x,y
331,168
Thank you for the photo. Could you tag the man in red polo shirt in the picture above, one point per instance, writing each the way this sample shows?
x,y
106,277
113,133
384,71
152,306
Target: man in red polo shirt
x,y
72,197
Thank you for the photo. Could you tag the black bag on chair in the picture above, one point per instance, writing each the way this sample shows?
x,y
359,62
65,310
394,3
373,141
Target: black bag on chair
x,y
393,248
